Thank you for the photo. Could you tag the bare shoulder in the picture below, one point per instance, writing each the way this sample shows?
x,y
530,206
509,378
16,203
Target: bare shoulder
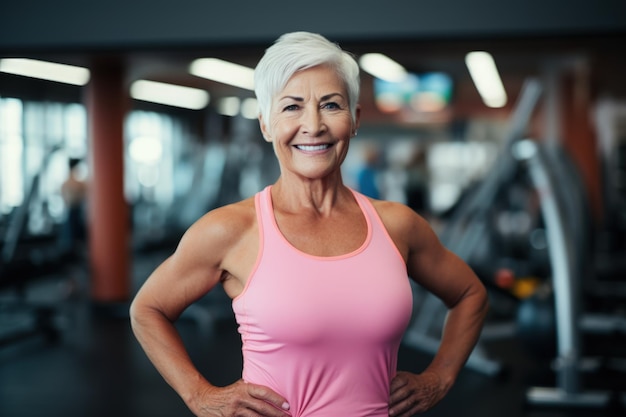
x,y
200,261
223,226
406,228
398,217
228,219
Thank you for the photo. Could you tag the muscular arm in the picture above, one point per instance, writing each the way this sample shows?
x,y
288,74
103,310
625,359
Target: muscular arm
x,y
448,277
178,282
199,263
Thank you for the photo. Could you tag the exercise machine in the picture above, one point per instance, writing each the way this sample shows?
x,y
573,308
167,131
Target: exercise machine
x,y
566,281
466,228
568,234
23,261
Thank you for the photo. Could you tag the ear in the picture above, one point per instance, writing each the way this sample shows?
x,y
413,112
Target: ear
x,y
357,119
264,130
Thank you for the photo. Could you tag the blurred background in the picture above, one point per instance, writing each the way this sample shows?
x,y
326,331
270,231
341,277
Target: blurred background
x,y
502,123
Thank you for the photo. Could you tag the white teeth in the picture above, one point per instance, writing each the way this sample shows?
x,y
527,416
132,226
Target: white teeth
x,y
311,148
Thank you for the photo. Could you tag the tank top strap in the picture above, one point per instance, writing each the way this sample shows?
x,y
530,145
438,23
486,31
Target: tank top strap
x,y
376,222
263,206
366,206
369,211
268,231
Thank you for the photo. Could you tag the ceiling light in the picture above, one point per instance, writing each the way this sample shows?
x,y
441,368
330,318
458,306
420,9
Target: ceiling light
x,y
228,106
485,75
250,108
223,72
50,71
169,94
383,67
146,149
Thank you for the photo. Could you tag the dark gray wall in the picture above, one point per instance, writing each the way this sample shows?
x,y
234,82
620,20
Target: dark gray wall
x,y
43,24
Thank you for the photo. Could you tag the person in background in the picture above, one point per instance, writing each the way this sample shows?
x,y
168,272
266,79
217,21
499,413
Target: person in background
x,y
368,175
417,182
74,193
318,273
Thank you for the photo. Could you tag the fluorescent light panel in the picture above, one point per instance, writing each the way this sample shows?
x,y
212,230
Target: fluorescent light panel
x,y
44,70
228,106
169,94
486,78
146,149
250,108
383,67
224,72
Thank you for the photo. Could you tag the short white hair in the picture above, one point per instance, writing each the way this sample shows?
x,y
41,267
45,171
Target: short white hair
x,y
297,51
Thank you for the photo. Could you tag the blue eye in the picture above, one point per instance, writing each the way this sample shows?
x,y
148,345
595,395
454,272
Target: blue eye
x,y
331,105
291,107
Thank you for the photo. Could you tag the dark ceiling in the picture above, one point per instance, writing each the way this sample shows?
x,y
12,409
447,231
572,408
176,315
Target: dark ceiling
x,y
526,38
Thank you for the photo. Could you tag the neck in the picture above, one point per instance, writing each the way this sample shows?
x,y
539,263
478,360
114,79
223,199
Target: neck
x,y
317,195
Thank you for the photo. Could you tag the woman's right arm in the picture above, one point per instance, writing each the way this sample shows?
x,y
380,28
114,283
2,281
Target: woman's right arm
x,y
188,274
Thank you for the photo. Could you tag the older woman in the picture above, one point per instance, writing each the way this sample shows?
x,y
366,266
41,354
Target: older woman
x,y
318,273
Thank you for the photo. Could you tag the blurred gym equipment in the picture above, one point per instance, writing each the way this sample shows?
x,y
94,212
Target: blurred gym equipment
x,y
26,260
552,318
465,229
566,281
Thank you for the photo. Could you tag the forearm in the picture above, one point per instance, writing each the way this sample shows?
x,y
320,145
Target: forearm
x,y
460,334
165,349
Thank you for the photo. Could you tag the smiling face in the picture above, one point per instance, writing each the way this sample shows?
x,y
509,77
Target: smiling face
x,y
311,124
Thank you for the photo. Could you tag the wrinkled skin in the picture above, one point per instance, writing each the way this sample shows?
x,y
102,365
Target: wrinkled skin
x,y
239,400
415,393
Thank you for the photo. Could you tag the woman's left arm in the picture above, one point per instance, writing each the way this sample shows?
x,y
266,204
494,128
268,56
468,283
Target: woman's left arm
x,y
448,277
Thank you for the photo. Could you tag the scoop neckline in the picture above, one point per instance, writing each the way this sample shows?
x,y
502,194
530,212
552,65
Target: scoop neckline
x,y
350,254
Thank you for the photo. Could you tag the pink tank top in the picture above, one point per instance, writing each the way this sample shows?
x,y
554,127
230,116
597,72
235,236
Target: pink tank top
x,y
324,332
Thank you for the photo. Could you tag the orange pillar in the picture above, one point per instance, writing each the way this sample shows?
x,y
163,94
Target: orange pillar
x,y
109,247
579,137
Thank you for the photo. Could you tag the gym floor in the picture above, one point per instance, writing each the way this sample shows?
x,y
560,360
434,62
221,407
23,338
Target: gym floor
x,y
96,368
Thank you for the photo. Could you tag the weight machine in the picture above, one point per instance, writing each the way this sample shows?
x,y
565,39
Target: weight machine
x,y
465,229
22,262
562,208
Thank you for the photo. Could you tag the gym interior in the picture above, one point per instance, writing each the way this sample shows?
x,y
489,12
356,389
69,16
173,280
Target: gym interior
x,y
99,179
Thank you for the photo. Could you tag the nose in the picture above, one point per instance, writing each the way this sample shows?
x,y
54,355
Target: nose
x,y
312,122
